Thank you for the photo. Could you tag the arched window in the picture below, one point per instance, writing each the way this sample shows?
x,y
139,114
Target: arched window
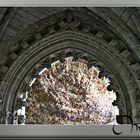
x,y
68,92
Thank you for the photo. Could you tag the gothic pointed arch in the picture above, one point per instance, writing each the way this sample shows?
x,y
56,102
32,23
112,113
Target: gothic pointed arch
x,y
80,33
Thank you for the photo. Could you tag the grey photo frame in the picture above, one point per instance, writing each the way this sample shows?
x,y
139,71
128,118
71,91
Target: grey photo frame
x,y
123,131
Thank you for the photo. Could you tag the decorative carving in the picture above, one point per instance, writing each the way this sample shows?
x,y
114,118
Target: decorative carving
x,y
61,22
51,29
135,66
28,78
38,36
125,53
84,56
69,16
3,60
86,28
25,44
4,69
70,23
53,57
99,34
14,46
13,56
113,42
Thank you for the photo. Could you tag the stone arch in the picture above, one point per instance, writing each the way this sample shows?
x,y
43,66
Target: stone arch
x,y
67,39
60,33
